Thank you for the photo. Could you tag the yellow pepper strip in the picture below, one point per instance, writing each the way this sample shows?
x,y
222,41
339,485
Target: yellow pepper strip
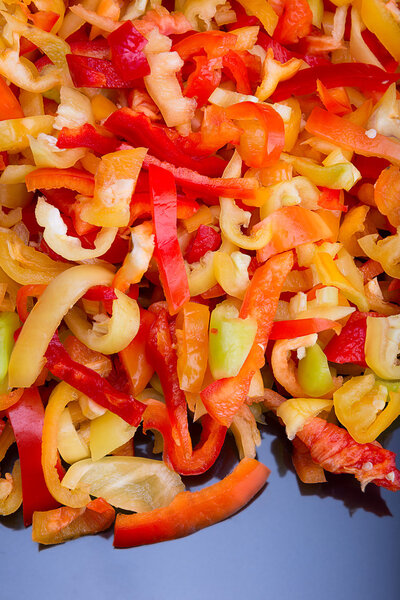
x,y
70,444
273,72
27,358
46,154
385,251
246,37
115,182
317,9
231,272
292,127
102,107
360,405
192,345
52,45
233,218
359,50
336,176
201,275
6,439
203,216
138,259
352,227
56,6
385,118
31,103
74,109
112,336
298,190
376,300
263,11
379,20
55,235
295,412
329,274
60,397
11,491
382,346
14,132
107,433
24,264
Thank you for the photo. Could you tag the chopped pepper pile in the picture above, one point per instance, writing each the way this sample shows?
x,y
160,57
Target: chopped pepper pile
x,y
199,224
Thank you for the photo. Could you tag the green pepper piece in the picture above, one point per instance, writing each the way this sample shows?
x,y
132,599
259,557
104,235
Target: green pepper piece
x,y
313,372
230,341
9,322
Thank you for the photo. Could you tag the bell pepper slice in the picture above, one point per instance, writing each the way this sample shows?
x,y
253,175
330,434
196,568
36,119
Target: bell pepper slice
x,y
360,75
335,100
92,384
204,80
86,136
191,511
213,43
378,19
332,200
127,55
263,146
290,227
217,130
167,251
192,345
348,346
386,194
23,294
205,240
223,397
313,372
66,523
10,106
350,136
294,23
283,55
51,178
87,71
163,142
283,330
307,470
27,417
264,11
334,449
133,357
242,188
235,65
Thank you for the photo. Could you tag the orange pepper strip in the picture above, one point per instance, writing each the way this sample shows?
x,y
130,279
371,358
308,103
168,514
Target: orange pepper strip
x,y
371,269
307,470
191,511
49,178
350,136
387,194
134,358
10,107
65,523
335,100
192,345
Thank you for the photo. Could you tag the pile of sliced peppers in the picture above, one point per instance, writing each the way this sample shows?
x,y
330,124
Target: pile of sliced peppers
x,y
199,208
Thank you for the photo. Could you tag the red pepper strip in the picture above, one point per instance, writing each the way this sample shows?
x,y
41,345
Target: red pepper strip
x,y
235,65
348,346
340,131
306,469
360,75
23,294
167,251
42,19
283,330
283,55
334,449
224,397
263,148
100,293
97,48
331,199
191,511
294,23
204,80
87,71
370,167
10,107
217,130
133,357
205,240
384,57
51,178
291,226
26,419
213,43
241,188
141,207
66,523
163,142
127,55
92,384
174,424
86,136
